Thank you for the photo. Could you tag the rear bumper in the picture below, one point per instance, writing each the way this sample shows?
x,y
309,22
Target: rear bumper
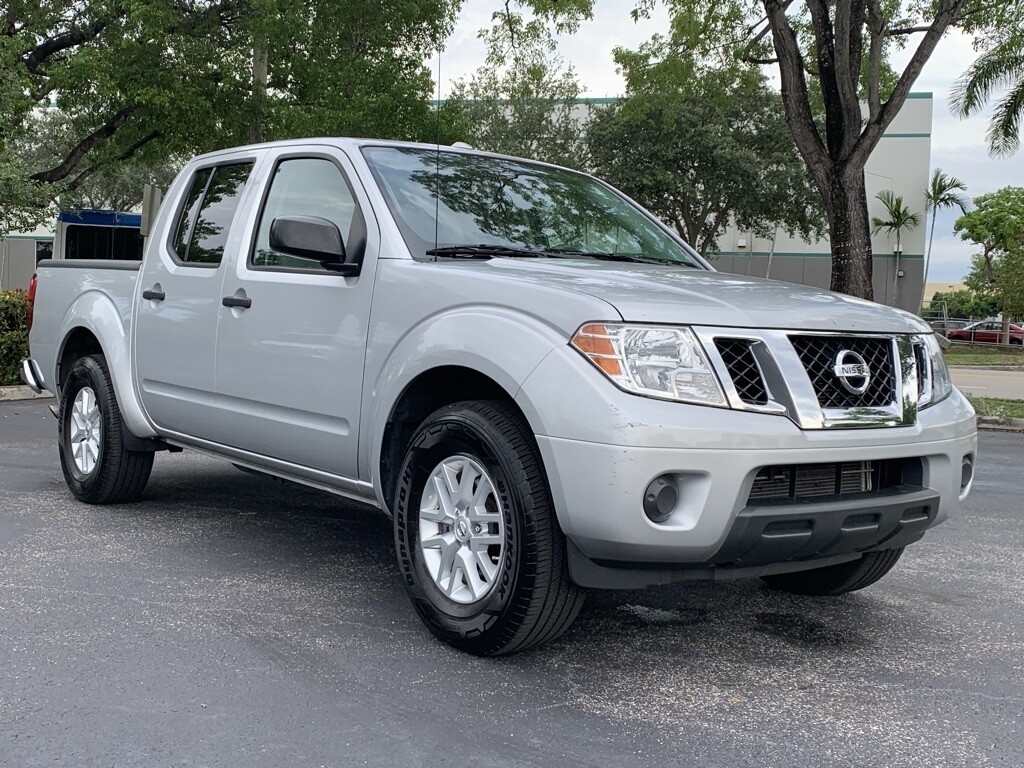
x,y
31,376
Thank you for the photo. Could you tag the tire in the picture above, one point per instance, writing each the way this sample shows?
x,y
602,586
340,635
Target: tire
x,y
1017,342
113,475
837,579
529,598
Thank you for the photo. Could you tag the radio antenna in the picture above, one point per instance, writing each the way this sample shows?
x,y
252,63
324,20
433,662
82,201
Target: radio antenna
x,y
437,153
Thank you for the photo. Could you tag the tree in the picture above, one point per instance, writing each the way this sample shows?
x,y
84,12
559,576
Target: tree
x,y
838,90
966,304
50,136
523,100
998,70
898,217
997,225
139,82
701,142
944,192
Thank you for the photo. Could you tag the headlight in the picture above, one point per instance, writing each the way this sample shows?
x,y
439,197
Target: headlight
x,y
657,361
933,375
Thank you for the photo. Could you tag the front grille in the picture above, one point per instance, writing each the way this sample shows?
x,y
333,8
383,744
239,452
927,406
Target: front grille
x,y
818,354
793,482
746,376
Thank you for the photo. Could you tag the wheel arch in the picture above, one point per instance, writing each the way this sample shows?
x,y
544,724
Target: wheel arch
x,y
432,389
466,353
93,325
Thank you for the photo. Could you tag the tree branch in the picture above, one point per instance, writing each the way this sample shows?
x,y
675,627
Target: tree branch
x,y
794,93
905,31
946,15
126,155
50,47
876,48
86,145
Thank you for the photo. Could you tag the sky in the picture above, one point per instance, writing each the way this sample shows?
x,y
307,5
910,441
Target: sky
x,y
958,146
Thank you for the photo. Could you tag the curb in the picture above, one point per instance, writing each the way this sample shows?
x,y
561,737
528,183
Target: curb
x,y
21,393
1000,425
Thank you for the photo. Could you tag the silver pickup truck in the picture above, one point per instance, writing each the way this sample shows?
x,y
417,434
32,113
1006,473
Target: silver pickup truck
x,y
542,385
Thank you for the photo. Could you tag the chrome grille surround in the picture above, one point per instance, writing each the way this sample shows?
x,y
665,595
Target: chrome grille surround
x,y
791,391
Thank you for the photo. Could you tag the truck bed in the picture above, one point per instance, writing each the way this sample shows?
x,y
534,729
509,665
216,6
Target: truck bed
x,y
65,287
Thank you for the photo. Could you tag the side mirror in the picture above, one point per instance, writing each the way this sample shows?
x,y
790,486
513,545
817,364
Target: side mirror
x,y
313,238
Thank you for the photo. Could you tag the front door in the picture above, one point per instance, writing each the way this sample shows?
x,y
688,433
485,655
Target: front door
x,y
290,350
179,300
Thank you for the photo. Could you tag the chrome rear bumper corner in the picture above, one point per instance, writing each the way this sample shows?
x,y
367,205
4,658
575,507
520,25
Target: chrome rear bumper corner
x,y
31,376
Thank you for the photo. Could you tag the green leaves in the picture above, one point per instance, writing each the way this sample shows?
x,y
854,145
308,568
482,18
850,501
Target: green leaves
x,y
898,217
703,150
997,225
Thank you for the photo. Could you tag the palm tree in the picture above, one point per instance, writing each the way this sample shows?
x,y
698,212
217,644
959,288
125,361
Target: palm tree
x,y
898,218
999,70
943,192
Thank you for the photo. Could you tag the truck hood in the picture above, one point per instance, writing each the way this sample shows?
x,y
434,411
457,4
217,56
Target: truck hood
x,y
655,294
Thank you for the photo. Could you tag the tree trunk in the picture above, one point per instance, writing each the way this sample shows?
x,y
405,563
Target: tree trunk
x,y
850,233
260,65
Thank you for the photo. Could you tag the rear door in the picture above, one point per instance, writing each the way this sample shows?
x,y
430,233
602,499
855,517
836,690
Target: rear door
x,y
290,362
179,300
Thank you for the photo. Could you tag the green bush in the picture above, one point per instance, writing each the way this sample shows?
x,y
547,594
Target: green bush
x,y
13,335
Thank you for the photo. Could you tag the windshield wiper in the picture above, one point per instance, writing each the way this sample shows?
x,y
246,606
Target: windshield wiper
x,y
489,251
482,251
607,256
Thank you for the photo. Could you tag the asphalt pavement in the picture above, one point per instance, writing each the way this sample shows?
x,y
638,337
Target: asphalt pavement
x,y
228,620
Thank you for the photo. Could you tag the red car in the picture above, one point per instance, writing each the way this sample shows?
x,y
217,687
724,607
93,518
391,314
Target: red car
x,y
987,332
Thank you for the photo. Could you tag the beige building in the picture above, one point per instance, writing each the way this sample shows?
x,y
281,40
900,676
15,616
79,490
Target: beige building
x,y
19,253
902,163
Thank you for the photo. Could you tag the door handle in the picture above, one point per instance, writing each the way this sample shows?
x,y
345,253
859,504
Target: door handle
x,y
235,301
154,295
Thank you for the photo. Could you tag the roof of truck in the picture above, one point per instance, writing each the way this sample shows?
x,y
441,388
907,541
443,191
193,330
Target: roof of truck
x,y
356,143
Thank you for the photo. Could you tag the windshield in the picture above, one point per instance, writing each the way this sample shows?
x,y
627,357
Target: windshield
x,y
494,201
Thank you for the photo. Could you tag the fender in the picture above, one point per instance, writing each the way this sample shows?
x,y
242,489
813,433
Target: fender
x,y
515,344
97,313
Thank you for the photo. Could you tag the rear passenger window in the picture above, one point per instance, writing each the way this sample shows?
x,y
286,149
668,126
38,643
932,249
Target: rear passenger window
x,y
305,186
183,232
209,208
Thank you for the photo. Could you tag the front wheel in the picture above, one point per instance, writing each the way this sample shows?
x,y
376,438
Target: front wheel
x,y
480,551
837,579
97,467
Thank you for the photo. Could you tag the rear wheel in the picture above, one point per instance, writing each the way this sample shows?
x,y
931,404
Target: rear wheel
x,y
837,579
97,467
480,551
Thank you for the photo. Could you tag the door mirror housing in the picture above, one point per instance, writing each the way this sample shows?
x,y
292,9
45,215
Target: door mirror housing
x,y
313,238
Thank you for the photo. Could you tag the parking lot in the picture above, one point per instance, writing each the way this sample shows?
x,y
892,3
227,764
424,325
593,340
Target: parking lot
x,y
229,620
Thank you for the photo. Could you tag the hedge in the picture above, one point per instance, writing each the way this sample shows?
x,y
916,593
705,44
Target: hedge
x,y
13,335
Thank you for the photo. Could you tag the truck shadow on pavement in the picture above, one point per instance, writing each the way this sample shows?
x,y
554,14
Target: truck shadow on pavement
x,y
346,548
305,583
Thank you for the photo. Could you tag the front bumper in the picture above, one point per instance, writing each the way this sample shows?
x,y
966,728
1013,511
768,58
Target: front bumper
x,y
712,456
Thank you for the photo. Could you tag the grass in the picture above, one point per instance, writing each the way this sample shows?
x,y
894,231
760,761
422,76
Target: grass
x,y
980,355
997,407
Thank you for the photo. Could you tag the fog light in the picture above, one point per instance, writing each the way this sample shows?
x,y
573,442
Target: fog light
x,y
660,499
966,475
